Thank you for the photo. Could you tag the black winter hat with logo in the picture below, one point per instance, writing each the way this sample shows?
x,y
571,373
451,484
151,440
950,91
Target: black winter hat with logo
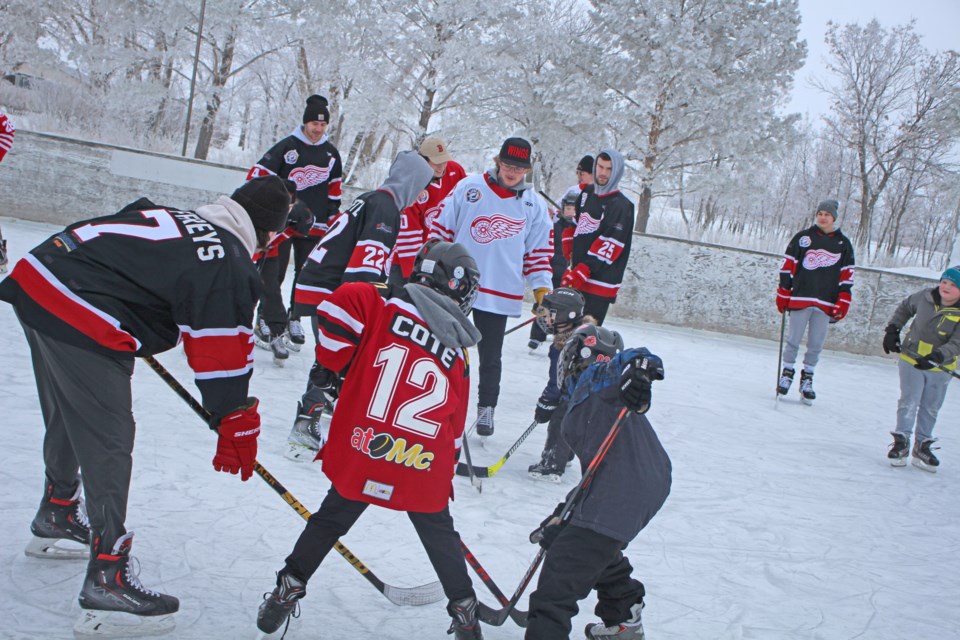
x,y
316,110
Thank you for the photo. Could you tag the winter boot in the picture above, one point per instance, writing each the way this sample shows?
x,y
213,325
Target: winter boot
x,y
4,260
279,349
262,336
786,379
485,421
465,625
548,469
533,345
923,457
899,449
278,606
294,336
114,601
631,629
306,438
807,394
60,520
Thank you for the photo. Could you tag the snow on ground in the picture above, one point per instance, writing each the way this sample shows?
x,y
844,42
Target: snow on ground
x,y
784,522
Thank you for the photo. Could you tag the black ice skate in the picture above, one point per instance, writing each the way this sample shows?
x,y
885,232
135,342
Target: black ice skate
x,y
281,603
465,625
549,469
61,530
307,437
899,450
923,457
786,379
533,345
294,336
114,601
807,394
279,348
262,336
632,629
485,421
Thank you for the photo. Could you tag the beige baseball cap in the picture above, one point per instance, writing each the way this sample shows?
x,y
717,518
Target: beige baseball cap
x,y
435,148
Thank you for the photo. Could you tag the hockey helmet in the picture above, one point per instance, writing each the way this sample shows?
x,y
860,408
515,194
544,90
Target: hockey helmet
x,y
449,268
562,306
588,344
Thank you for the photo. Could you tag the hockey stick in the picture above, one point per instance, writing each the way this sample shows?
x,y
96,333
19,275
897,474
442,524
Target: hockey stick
x,y
403,596
476,482
548,199
519,326
520,617
783,326
497,618
952,373
486,472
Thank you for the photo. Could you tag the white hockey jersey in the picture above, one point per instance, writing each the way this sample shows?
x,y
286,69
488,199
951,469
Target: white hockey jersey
x,y
507,232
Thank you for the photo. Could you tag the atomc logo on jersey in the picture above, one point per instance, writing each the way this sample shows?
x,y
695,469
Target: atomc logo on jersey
x,y
819,258
486,229
472,195
383,446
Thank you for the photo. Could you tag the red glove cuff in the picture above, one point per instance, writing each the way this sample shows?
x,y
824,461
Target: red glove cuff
x,y
576,277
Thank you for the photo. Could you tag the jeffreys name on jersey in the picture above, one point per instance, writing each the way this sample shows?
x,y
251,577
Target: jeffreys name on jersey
x,y
383,446
202,233
409,328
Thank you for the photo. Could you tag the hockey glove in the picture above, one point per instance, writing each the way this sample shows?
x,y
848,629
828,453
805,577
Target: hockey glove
x,y
840,309
783,299
635,382
549,529
326,380
545,409
538,296
300,219
925,363
891,339
576,277
237,444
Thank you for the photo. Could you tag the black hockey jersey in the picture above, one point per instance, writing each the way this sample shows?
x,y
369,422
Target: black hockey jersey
x,y
602,240
137,282
817,268
315,168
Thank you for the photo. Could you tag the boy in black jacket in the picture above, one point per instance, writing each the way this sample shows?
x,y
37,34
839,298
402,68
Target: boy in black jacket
x,y
585,551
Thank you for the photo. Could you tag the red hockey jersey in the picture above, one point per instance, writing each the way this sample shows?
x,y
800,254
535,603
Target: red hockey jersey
x,y
396,432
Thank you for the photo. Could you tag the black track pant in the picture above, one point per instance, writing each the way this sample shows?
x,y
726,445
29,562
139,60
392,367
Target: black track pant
x,y
272,309
337,514
301,249
492,327
86,403
580,560
596,306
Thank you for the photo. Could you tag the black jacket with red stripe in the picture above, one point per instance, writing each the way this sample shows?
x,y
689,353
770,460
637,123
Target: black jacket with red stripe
x,y
137,282
817,267
602,239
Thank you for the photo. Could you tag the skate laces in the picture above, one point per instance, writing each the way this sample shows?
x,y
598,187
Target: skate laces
x,y
81,513
132,574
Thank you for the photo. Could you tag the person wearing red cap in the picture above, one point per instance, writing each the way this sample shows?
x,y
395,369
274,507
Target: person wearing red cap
x,y
91,299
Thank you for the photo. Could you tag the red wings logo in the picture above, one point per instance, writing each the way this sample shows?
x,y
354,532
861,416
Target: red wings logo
x,y
586,224
311,175
819,258
430,215
485,230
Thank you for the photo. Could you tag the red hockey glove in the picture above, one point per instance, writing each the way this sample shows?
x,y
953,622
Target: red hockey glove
x,y
237,445
783,299
840,309
576,278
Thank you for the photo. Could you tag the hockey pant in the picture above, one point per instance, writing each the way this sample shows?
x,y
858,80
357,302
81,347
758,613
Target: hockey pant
x,y
579,560
596,306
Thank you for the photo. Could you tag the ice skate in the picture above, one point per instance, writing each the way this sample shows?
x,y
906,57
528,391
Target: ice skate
x,y
533,345
262,335
4,260
307,436
114,601
465,624
547,470
280,353
923,457
281,603
899,450
631,629
786,379
807,394
61,530
485,421
294,336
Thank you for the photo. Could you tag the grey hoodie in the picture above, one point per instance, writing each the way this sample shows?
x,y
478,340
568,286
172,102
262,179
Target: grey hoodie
x,y
227,214
614,183
408,176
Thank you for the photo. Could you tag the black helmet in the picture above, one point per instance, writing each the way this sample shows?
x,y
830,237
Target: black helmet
x,y
588,344
560,307
449,268
570,198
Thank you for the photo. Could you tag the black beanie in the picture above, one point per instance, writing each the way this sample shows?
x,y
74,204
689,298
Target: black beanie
x,y
830,206
266,200
585,164
316,110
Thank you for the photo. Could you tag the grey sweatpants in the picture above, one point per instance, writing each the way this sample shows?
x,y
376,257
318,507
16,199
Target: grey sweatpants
x,y
86,402
800,320
921,396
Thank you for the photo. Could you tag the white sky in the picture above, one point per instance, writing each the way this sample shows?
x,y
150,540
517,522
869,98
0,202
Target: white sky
x,y
937,22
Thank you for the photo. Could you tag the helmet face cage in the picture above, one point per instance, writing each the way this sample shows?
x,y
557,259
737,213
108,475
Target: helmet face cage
x,y
448,268
561,308
588,344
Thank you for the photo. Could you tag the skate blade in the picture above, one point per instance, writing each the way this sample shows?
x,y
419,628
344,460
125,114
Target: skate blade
x,y
806,401
300,453
554,479
279,362
260,343
56,549
117,624
920,464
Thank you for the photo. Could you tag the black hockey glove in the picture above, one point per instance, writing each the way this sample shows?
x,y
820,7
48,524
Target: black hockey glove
x,y
326,380
300,219
545,410
635,382
925,363
891,339
549,529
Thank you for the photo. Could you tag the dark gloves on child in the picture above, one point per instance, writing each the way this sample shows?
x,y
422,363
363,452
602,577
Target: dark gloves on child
x,y
635,382
326,380
925,363
545,409
549,529
891,339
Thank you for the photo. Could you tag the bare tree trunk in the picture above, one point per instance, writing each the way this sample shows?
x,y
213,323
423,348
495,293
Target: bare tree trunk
x,y
221,74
